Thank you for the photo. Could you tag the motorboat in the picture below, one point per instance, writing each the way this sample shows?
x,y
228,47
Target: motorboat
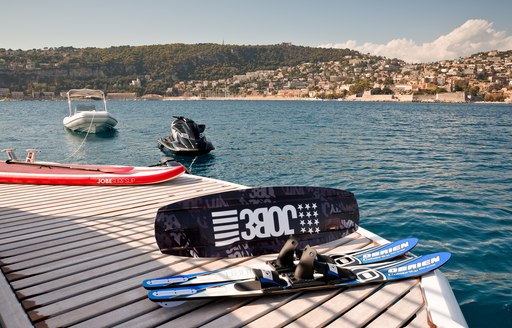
x,y
88,112
186,138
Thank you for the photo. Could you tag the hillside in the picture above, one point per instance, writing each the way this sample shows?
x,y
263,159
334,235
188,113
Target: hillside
x,y
112,69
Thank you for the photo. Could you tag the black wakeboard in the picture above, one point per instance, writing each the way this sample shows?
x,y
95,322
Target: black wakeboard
x,y
255,221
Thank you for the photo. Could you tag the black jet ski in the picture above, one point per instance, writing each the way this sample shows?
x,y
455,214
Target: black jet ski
x,y
186,138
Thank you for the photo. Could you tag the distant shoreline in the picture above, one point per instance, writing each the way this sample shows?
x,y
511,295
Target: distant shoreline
x,y
267,98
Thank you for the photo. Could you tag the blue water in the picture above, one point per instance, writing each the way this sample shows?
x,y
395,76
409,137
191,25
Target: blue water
x,y
439,172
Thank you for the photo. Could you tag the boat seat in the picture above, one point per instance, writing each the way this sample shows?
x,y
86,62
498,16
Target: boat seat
x,y
85,107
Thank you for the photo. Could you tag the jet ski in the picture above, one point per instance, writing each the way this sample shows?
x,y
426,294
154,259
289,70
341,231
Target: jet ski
x,y
186,138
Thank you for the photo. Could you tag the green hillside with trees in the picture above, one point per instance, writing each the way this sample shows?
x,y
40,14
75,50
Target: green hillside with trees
x,y
112,69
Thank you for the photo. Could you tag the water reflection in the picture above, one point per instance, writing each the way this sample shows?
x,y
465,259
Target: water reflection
x,y
78,137
198,165
87,147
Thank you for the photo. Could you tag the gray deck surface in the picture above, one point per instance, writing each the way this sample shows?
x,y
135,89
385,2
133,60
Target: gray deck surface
x,y
76,256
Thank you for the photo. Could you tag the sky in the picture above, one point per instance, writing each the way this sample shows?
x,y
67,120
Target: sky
x,y
412,30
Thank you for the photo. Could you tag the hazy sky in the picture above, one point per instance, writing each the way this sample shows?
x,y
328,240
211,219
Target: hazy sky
x,y
408,29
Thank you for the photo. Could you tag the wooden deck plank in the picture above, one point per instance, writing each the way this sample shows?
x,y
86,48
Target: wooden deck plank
x,y
86,275
105,275
125,291
79,225
421,320
36,199
134,231
70,226
64,198
313,315
251,311
402,311
54,219
127,229
84,257
67,219
208,313
62,205
77,252
109,229
93,207
159,315
366,311
25,281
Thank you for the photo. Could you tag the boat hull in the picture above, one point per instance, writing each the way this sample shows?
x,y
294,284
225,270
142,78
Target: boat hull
x,y
166,144
92,122
44,173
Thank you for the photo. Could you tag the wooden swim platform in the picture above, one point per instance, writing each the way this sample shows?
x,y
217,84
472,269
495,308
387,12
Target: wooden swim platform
x,y
76,256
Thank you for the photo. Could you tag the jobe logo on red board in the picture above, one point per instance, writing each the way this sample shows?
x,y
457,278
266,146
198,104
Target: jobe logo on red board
x,y
247,224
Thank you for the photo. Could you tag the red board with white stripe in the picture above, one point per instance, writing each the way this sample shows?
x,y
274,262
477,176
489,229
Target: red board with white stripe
x,y
77,174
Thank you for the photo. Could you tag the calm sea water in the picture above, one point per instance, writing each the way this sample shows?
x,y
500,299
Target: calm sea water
x,y
439,172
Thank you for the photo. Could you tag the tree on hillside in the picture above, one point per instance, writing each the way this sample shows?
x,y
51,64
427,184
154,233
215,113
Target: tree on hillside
x,y
461,85
359,86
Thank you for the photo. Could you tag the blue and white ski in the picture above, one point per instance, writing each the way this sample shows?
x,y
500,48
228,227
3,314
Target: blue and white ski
x,y
270,282
363,257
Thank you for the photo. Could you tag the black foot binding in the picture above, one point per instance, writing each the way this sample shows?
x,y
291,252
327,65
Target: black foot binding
x,y
305,268
286,255
319,257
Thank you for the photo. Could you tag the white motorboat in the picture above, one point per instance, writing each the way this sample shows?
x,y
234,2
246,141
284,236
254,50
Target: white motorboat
x,y
88,112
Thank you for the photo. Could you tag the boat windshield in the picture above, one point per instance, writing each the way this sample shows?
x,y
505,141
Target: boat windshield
x,y
85,107
80,100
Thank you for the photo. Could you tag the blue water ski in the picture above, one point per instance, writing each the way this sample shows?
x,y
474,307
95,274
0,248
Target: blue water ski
x,y
364,256
375,254
270,282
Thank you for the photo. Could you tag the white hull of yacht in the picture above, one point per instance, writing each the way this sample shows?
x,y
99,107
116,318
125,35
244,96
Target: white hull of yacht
x,y
92,122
